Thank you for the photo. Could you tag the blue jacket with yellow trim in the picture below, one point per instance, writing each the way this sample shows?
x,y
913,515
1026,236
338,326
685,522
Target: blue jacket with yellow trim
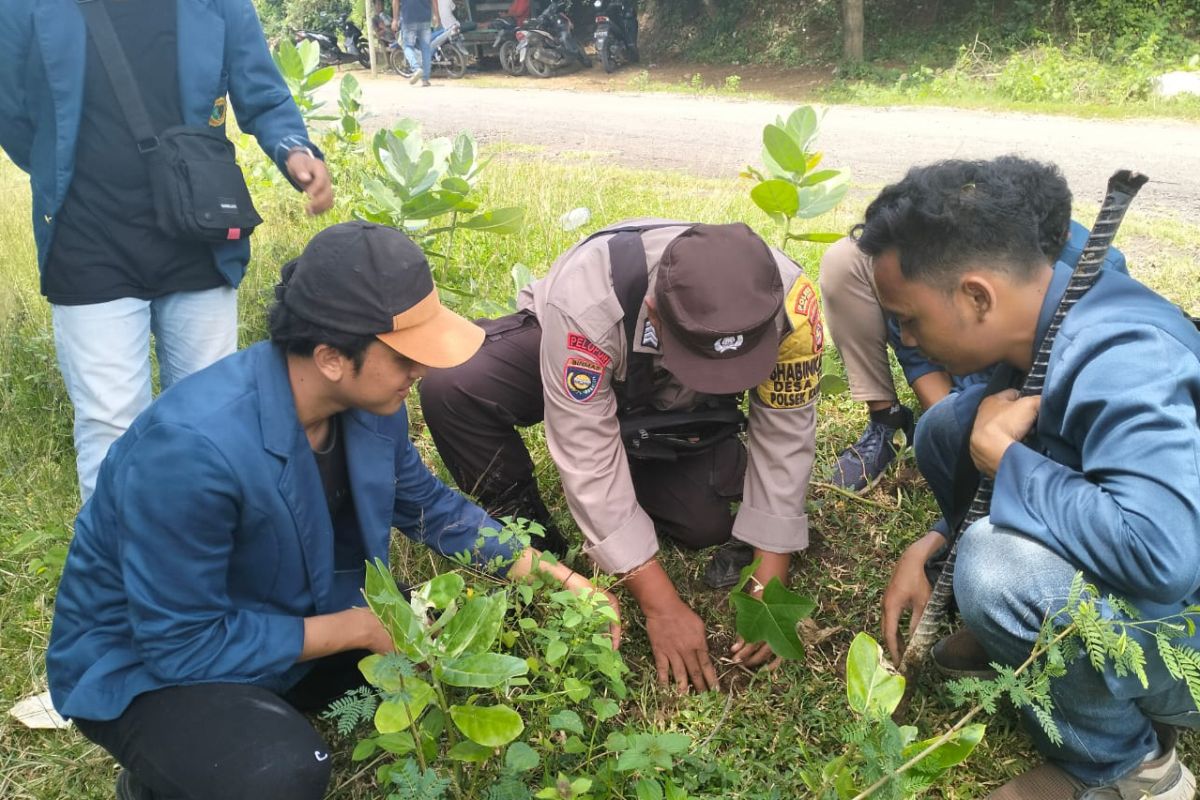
x,y
221,52
208,540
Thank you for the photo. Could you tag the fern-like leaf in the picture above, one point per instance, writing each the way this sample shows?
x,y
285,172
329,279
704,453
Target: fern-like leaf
x,y
352,709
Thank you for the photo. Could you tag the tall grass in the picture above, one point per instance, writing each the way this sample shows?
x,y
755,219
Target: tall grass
x,y
759,740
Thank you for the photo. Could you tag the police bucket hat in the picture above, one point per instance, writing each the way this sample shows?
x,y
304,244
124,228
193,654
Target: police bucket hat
x,y
718,293
371,280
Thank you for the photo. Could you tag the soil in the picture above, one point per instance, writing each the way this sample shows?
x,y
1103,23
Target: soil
x,y
716,135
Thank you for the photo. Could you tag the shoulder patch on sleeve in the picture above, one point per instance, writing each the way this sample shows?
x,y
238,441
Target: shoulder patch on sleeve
x,y
796,379
581,379
582,344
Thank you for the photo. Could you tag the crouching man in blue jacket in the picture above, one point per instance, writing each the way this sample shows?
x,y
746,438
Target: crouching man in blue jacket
x,y
213,587
1107,484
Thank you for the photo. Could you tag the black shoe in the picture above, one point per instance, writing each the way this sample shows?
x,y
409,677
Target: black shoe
x,y
960,655
725,567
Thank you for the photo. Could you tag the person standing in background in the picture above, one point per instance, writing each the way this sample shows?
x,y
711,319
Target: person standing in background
x,y
112,276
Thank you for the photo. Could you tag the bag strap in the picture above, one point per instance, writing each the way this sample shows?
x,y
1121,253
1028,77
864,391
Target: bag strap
x,y
112,55
627,260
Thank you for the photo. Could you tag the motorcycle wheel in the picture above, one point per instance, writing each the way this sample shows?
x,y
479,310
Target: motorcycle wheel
x,y
398,63
608,56
536,66
456,62
510,59
583,58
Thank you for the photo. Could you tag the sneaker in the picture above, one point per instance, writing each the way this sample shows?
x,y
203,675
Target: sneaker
x,y
415,78
861,465
725,567
1164,778
960,655
425,83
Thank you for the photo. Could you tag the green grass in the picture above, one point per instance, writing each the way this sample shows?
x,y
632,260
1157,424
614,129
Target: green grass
x,y
761,738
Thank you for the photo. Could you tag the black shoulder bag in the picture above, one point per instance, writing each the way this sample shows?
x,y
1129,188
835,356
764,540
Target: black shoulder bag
x,y
199,192
649,434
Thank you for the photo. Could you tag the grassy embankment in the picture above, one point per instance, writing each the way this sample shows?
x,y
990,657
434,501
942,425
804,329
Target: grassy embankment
x,y
758,740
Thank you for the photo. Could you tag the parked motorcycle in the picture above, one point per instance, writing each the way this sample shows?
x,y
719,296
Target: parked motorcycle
x,y
505,45
546,43
448,55
353,49
616,33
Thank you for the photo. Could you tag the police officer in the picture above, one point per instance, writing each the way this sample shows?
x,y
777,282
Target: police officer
x,y
659,316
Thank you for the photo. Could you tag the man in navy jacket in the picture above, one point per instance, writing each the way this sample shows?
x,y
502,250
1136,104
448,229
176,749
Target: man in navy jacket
x,y
111,276
214,582
1107,484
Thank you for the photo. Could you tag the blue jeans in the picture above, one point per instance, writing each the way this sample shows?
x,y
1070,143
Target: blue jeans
x,y
938,441
419,34
104,356
1005,584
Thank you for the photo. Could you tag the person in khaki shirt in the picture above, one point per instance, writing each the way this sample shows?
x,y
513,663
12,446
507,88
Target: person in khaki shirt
x,y
720,313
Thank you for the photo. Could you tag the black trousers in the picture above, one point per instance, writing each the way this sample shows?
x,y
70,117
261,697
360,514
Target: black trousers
x,y
224,741
473,412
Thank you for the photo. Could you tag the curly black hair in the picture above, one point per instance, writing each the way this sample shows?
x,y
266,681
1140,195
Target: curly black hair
x,y
1008,213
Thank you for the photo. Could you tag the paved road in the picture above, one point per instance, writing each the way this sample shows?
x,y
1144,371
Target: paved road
x,y
715,137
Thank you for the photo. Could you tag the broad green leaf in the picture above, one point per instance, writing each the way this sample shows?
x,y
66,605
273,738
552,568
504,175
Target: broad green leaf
x,y
832,384
773,619
574,745
350,93
444,589
389,604
428,205
463,155
952,752
287,60
872,687
490,726
823,238
816,200
475,627
481,670
648,789
566,720
316,80
673,792
784,149
364,750
310,55
399,743
522,276
456,185
813,178
576,689
605,709
520,757
375,669
500,220
776,196
470,752
396,714
802,124
555,651
383,195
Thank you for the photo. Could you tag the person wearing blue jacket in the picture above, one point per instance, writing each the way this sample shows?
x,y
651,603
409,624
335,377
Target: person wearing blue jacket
x,y
213,587
862,331
1099,475
111,276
